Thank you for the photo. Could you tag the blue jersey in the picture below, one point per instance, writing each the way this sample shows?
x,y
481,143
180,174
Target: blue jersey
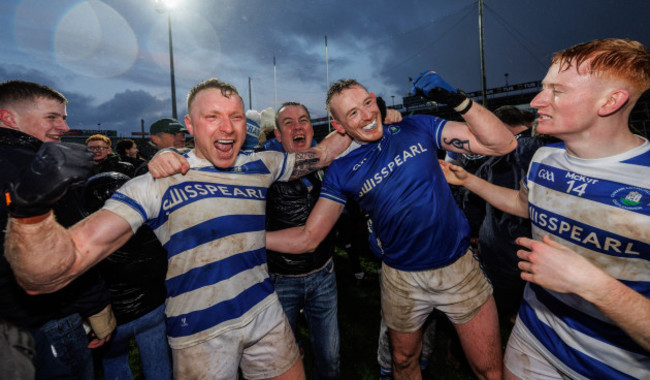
x,y
252,135
273,145
415,221
211,222
599,208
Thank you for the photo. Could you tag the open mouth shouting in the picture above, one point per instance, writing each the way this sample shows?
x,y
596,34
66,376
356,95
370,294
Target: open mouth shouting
x,y
225,148
299,140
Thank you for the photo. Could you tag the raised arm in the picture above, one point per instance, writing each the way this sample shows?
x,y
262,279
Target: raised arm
x,y
558,268
481,133
45,256
306,238
321,155
512,201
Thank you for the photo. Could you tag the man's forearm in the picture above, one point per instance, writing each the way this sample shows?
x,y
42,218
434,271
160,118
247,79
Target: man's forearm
x,y
506,200
306,238
333,144
321,155
40,254
627,308
491,132
307,161
290,240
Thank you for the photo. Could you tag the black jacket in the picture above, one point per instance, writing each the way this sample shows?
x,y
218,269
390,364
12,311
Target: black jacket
x,y
135,273
86,295
288,204
115,163
135,276
499,229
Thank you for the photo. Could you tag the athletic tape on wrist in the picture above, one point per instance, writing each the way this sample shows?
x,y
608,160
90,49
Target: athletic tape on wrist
x,y
463,107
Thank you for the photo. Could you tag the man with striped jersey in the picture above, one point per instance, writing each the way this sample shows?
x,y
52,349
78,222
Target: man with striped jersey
x,y
586,309
222,312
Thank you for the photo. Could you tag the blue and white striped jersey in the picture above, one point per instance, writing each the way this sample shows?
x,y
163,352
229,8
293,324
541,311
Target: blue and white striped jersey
x,y
211,222
600,208
416,224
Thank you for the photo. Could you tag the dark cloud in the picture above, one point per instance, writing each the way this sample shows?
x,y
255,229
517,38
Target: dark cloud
x,y
19,72
380,43
123,112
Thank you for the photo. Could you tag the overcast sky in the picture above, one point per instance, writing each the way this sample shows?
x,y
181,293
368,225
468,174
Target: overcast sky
x,y
111,58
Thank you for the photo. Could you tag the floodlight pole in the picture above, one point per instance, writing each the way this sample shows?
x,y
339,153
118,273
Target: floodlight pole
x,y
482,50
250,95
162,6
327,85
171,65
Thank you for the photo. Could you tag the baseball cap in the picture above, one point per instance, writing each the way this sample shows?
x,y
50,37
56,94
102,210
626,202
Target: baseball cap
x,y
168,125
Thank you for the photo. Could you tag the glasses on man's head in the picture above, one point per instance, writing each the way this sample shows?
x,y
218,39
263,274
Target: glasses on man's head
x,y
97,148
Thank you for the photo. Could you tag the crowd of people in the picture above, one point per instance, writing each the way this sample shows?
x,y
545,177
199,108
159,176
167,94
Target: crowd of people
x,y
207,257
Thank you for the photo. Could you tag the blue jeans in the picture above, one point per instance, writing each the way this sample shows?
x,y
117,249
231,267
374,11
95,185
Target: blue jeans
x,y
316,295
62,350
151,337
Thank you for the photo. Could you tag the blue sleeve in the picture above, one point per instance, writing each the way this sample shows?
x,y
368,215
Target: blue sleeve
x,y
331,188
432,124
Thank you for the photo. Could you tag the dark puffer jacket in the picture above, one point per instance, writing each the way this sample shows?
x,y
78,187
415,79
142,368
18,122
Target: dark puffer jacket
x,y
288,204
114,163
499,229
135,273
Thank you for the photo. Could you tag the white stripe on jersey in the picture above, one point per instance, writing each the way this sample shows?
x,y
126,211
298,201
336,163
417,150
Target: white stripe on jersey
x,y
601,209
212,224
623,361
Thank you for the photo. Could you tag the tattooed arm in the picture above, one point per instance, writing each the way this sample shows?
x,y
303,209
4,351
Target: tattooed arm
x,y
481,133
321,155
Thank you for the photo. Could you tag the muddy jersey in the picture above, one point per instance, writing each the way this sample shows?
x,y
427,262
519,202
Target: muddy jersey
x,y
599,208
416,224
211,222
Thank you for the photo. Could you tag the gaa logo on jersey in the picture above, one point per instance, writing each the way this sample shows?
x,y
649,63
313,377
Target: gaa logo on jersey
x,y
546,174
631,198
394,129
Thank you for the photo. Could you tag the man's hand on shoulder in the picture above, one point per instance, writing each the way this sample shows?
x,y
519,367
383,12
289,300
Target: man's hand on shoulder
x,y
55,168
392,116
168,162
